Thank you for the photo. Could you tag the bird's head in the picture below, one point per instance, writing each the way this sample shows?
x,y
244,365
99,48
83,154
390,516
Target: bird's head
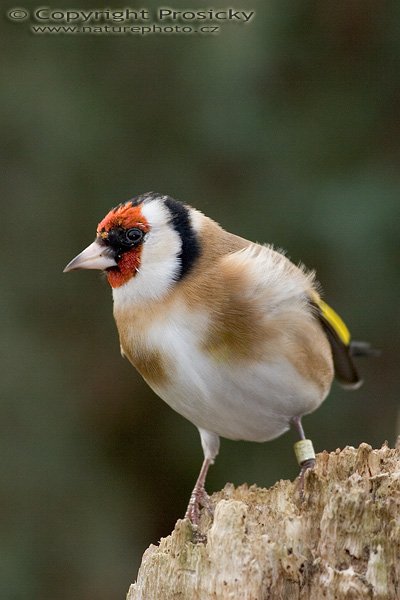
x,y
151,238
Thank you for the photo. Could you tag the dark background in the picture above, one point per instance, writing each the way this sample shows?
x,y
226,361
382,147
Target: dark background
x,y
284,130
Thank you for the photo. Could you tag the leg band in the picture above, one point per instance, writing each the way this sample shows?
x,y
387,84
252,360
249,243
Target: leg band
x,y
304,450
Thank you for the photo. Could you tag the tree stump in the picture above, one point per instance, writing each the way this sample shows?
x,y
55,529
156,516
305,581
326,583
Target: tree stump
x,y
340,541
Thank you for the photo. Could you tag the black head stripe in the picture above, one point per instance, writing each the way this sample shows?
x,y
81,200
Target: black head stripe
x,y
190,244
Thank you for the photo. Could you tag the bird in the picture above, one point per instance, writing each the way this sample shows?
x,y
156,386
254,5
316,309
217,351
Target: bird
x,y
229,333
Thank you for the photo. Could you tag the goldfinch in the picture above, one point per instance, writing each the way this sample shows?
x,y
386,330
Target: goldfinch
x,y
229,333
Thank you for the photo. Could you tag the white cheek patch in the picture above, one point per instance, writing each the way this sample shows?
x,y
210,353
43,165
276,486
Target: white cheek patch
x,y
159,263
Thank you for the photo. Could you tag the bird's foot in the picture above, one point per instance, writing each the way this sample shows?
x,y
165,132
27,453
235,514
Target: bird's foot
x,y
304,467
198,499
305,454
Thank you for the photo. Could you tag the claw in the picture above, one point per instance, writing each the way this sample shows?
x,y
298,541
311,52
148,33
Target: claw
x,y
198,499
304,467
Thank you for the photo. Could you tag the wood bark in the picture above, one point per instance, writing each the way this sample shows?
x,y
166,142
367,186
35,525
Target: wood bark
x,y
340,541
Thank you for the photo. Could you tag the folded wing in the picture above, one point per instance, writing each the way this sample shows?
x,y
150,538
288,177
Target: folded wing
x,y
343,348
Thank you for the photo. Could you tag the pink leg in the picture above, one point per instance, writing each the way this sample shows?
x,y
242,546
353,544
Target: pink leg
x,y
307,464
199,495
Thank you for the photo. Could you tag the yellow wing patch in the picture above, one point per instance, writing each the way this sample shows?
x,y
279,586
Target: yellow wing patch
x,y
335,321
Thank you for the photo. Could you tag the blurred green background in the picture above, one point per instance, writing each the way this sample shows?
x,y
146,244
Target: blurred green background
x,y
284,130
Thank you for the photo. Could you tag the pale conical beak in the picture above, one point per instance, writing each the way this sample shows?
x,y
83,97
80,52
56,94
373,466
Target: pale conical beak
x,y
94,256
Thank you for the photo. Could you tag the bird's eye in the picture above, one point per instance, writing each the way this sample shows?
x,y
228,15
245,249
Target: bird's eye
x,y
134,235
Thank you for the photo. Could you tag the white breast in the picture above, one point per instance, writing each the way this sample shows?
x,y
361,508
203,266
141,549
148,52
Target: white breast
x,y
250,401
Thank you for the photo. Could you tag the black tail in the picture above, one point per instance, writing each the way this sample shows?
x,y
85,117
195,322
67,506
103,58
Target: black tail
x,y
363,349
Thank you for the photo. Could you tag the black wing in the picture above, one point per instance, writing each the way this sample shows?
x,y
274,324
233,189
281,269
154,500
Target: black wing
x,y
343,349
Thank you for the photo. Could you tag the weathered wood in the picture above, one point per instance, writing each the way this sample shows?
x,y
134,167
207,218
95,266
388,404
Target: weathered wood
x,y
342,541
